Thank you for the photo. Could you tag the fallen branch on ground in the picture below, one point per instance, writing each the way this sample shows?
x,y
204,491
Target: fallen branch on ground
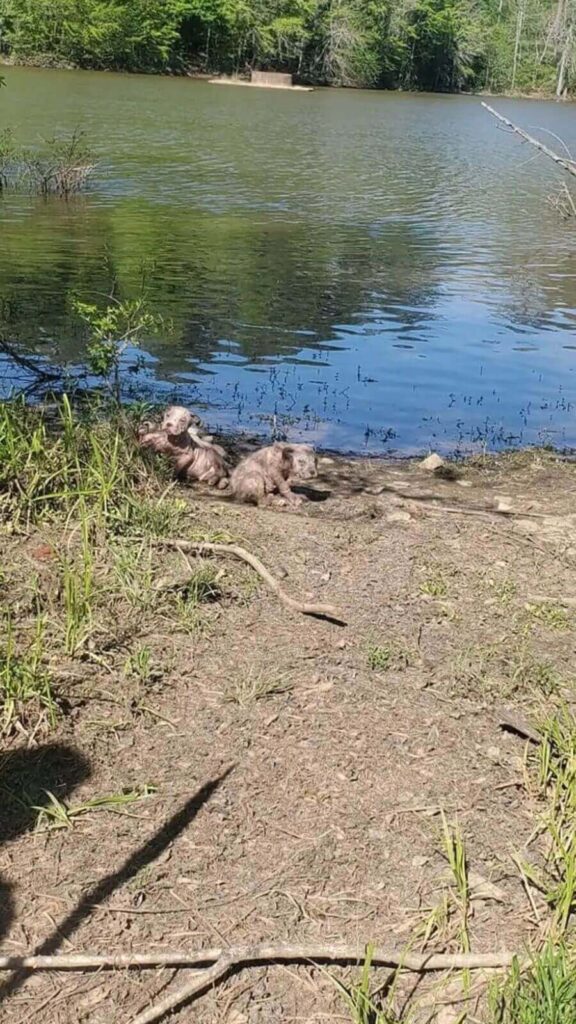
x,y
562,161
232,958
206,548
261,954
513,722
222,961
568,602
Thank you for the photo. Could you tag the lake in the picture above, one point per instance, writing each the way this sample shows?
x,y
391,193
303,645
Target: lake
x,y
370,271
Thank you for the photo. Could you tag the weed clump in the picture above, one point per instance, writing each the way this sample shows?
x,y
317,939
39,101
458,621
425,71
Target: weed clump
x,y
545,993
26,696
60,461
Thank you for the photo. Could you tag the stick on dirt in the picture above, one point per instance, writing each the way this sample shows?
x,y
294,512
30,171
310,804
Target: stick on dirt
x,y
562,161
264,953
236,957
205,548
222,961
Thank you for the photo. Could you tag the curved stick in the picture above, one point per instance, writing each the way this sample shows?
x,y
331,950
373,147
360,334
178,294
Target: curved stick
x,y
205,547
191,988
240,956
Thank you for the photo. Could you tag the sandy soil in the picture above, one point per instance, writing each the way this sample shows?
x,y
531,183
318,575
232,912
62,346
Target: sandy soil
x,y
298,768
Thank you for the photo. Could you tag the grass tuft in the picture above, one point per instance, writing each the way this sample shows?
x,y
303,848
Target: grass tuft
x,y
57,814
26,696
246,690
545,993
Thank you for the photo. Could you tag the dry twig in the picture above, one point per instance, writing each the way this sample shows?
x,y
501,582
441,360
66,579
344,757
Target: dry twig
x,y
204,548
562,161
222,961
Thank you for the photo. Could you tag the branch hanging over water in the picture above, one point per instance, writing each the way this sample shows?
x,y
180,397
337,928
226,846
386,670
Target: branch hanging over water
x,y
562,161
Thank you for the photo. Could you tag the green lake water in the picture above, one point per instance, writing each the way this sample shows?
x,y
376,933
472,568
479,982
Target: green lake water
x,y
369,271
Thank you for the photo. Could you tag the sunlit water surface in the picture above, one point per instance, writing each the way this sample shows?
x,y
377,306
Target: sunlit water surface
x,y
369,271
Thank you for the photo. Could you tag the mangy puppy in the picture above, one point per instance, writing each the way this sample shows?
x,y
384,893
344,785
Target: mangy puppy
x,y
176,439
271,469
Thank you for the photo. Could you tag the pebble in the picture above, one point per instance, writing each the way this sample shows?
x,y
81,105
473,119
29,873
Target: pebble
x,y
502,503
527,526
419,861
432,462
398,517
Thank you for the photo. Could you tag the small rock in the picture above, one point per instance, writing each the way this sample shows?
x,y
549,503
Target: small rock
x,y
482,889
398,517
419,861
432,462
236,1017
448,1015
493,753
527,526
325,687
464,483
502,503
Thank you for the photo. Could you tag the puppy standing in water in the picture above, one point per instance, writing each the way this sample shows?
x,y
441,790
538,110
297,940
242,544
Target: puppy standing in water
x,y
272,469
176,439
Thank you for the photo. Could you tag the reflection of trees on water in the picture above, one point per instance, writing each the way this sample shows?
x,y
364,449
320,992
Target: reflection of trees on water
x,y
255,289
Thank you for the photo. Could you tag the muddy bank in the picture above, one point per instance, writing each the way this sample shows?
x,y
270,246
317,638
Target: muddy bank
x,y
288,774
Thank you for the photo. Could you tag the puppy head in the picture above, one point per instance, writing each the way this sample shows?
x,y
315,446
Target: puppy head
x,y
176,420
303,461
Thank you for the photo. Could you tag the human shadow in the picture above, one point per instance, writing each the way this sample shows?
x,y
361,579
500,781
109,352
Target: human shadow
x,y
26,777
99,892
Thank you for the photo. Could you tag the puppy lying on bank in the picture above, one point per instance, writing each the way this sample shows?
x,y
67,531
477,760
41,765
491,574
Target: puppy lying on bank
x,y
194,457
272,469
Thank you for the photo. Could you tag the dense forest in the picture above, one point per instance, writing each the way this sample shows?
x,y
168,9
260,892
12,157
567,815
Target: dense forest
x,y
440,45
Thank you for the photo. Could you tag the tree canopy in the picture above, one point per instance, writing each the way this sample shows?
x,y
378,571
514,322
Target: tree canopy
x,y
441,45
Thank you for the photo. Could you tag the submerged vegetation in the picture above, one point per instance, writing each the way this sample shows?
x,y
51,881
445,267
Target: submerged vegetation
x,y
61,166
442,45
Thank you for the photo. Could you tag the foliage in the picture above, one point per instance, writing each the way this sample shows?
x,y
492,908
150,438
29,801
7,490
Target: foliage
x,y
543,994
112,330
445,45
62,166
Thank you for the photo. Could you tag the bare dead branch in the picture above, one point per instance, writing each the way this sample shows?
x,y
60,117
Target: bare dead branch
x,y
217,963
241,956
204,548
567,165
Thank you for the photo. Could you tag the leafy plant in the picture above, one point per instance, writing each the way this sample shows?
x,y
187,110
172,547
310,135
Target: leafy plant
x,y
111,331
58,814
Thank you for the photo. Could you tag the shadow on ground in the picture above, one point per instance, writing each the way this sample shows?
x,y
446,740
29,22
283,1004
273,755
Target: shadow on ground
x,y
26,777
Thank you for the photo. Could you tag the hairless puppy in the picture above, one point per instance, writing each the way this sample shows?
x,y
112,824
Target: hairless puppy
x,y
260,475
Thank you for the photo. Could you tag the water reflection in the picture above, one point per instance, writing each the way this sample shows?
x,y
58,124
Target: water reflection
x,y
368,271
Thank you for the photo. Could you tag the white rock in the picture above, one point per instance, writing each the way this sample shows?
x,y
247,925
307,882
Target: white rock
x,y
432,462
502,503
419,861
398,517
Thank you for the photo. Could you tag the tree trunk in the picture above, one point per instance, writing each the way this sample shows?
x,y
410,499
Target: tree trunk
x,y
519,23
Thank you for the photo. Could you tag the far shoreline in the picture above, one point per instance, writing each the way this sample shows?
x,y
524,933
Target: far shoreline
x,y
221,77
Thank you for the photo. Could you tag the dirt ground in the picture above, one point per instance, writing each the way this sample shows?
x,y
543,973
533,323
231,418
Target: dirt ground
x,y
297,768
